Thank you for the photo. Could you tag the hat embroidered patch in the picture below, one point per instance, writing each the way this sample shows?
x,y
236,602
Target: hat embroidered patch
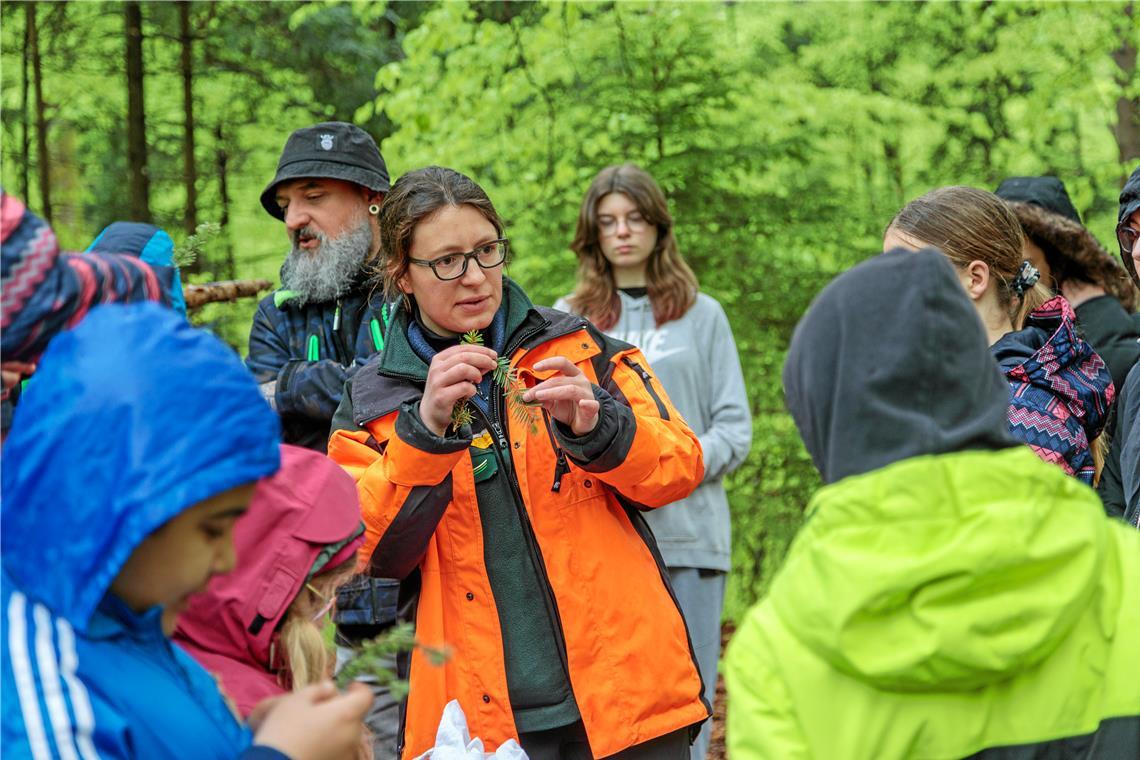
x,y
327,142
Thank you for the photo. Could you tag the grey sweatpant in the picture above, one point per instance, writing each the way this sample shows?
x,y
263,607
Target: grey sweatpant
x,y
701,595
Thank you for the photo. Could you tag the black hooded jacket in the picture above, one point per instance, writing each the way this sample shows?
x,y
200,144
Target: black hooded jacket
x,y
860,407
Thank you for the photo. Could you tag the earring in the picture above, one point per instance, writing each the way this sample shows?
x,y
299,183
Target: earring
x,y
374,209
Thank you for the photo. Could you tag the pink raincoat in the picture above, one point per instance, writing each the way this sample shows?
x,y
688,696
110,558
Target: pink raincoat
x,y
303,519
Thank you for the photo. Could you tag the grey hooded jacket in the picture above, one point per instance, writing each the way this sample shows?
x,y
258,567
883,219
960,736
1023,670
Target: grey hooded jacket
x,y
696,361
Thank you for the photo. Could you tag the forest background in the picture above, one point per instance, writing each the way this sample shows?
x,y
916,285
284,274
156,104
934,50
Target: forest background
x,y
786,135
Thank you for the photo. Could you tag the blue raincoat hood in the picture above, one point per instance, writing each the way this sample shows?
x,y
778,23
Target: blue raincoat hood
x,y
149,243
135,416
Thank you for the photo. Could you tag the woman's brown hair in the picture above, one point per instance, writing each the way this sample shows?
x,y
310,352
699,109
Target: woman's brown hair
x,y
416,196
671,283
967,225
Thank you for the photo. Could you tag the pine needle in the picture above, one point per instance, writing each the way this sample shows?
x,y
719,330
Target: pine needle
x,y
460,413
506,377
375,656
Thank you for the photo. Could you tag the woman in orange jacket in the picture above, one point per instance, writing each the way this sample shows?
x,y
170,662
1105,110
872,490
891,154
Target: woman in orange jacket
x,y
503,453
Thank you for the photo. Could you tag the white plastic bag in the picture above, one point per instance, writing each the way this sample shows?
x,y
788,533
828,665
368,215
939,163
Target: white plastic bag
x,y
453,741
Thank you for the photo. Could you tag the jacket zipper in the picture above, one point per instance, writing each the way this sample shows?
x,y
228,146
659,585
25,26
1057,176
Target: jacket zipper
x,y
647,379
347,356
562,466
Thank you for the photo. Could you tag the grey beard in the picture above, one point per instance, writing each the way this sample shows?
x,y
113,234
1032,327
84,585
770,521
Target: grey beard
x,y
329,271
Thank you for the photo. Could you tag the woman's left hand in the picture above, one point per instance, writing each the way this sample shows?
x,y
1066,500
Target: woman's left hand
x,y
568,397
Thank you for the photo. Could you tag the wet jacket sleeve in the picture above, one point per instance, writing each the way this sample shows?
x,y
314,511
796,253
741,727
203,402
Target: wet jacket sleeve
x,y
291,385
640,447
403,477
1112,333
728,438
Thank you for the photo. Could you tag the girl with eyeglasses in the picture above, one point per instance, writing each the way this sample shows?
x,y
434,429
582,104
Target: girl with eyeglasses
x,y
634,285
258,628
1060,389
504,453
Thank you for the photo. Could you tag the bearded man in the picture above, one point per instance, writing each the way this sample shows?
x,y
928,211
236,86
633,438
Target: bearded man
x,y
320,327
312,334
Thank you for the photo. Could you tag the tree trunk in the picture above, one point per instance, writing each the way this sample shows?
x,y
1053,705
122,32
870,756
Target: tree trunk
x,y
189,168
137,179
224,199
42,159
25,135
1127,127
197,296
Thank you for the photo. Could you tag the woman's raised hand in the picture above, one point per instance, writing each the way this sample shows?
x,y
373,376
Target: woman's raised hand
x,y
316,722
568,397
452,376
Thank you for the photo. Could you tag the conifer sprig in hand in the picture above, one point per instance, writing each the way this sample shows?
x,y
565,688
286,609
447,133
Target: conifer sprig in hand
x,y
460,413
507,378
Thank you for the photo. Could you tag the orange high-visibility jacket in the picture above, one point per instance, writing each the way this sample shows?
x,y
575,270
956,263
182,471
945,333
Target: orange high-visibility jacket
x,y
628,654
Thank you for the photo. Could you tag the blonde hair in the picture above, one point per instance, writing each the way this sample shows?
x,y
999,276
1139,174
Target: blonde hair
x,y
307,659
671,284
968,224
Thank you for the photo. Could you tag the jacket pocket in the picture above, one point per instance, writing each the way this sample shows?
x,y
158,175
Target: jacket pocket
x,y
647,380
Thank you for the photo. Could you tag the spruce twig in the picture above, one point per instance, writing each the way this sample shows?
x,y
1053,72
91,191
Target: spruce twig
x,y
507,378
374,655
461,413
191,249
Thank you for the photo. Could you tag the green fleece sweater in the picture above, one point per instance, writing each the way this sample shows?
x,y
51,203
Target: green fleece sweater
x,y
940,606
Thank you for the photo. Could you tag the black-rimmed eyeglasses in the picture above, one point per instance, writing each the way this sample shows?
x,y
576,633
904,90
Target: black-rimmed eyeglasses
x,y
1126,235
452,266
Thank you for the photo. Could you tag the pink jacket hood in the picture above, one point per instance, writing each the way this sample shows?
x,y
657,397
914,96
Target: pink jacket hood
x,y
307,512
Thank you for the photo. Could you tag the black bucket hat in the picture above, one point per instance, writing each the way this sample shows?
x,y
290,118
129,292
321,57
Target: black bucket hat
x,y
1047,192
330,150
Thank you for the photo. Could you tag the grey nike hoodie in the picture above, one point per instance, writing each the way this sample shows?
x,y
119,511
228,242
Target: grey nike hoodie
x,y
696,361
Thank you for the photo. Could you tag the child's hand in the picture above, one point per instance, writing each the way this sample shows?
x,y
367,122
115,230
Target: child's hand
x,y
567,397
315,723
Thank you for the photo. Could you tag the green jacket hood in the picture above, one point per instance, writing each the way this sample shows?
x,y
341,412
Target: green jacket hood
x,y
944,572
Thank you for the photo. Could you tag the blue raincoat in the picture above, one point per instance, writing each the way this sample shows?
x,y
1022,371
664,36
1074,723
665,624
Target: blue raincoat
x,y
149,243
135,416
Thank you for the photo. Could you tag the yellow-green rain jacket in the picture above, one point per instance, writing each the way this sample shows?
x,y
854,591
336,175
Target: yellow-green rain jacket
x,y
941,606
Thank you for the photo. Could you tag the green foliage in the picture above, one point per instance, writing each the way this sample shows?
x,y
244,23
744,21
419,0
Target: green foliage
x,y
785,135
373,656
506,377
190,249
